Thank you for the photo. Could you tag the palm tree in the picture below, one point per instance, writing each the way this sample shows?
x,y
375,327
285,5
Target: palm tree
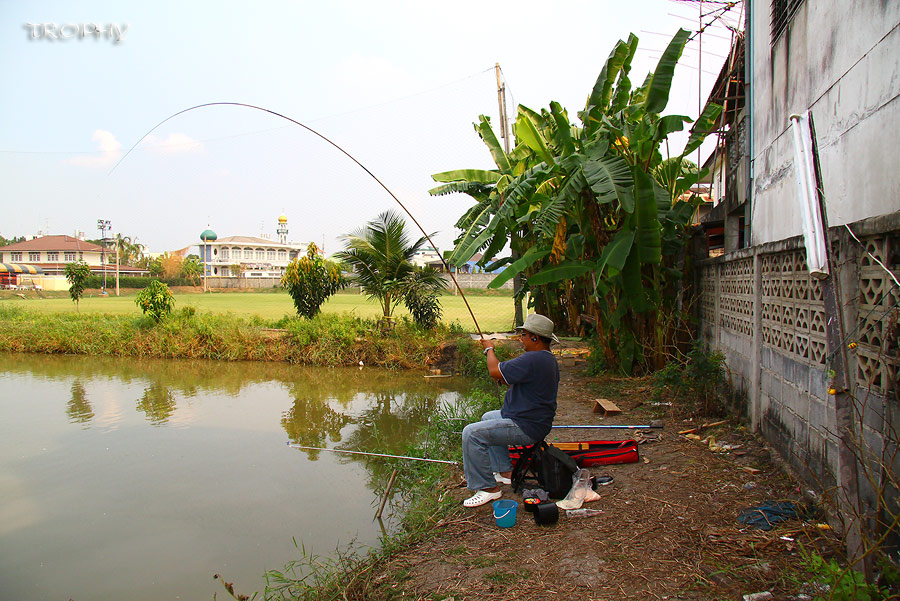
x,y
381,256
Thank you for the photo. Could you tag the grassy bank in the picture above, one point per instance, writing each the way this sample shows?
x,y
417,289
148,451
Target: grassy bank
x,y
329,339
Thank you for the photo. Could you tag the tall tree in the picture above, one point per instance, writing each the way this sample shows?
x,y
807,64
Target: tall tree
x,y
599,213
381,256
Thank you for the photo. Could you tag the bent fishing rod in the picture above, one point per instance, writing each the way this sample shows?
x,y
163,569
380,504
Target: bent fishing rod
x,y
297,446
347,154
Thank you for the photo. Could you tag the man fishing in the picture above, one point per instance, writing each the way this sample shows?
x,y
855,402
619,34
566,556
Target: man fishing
x,y
525,418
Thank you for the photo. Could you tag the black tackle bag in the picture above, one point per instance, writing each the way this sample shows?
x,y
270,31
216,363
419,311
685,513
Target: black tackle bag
x,y
552,468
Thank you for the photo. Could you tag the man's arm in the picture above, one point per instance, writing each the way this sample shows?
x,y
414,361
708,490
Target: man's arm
x,y
493,364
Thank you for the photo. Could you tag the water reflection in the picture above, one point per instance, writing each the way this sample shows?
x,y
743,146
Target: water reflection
x,y
157,402
181,467
79,408
310,420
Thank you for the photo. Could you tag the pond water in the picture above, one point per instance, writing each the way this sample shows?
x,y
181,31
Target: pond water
x,y
139,480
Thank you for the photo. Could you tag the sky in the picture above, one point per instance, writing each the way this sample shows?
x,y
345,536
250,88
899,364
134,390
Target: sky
x,y
397,84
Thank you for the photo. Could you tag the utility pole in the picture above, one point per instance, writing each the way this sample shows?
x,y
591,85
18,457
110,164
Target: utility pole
x,y
513,236
117,265
103,225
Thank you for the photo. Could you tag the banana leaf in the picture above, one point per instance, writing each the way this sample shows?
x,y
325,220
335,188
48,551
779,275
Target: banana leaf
x,y
481,176
705,123
611,179
483,127
616,252
473,239
563,129
497,244
669,124
661,81
531,256
647,236
527,131
477,191
564,271
602,92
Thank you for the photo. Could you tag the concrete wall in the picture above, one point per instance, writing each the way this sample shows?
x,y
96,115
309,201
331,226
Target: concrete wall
x,y
838,60
475,280
763,311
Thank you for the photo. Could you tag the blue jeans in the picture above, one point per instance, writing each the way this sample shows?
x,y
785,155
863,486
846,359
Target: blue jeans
x,y
485,447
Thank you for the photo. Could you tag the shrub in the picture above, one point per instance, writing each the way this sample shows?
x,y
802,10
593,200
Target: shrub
x,y
156,300
310,280
424,308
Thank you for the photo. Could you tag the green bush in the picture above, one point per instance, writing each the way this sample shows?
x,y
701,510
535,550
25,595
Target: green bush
x,y
156,300
310,280
424,308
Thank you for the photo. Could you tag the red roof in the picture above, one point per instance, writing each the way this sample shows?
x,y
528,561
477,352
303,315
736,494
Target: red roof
x,y
58,243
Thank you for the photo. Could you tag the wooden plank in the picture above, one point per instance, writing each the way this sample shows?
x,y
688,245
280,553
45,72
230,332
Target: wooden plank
x,y
571,446
606,407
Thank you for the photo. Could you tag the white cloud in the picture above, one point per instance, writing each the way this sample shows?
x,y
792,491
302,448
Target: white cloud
x,y
175,143
108,152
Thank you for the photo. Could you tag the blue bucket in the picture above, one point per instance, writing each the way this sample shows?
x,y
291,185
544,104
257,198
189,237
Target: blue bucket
x,y
505,513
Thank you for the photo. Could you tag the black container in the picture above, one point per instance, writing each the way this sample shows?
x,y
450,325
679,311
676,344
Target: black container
x,y
546,514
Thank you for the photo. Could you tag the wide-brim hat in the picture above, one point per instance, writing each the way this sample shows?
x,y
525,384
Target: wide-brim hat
x,y
540,325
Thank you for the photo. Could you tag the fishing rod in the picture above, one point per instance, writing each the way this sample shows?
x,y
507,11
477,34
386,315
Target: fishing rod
x,y
350,156
297,446
655,425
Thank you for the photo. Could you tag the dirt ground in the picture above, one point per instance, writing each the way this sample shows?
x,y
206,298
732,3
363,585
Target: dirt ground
x,y
668,528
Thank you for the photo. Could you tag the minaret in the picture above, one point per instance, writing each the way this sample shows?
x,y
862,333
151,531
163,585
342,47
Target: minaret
x,y
282,229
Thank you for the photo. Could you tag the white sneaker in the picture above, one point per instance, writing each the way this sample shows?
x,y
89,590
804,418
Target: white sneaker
x,y
501,479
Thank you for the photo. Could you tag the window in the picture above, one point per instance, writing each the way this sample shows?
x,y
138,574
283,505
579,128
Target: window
x,y
270,255
15,257
53,256
34,257
260,254
248,253
80,256
69,257
282,255
782,13
224,254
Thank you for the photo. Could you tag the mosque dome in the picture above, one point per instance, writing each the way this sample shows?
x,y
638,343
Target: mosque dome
x,y
282,219
208,236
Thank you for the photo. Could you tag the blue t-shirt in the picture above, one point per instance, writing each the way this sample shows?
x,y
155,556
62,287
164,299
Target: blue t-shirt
x,y
533,379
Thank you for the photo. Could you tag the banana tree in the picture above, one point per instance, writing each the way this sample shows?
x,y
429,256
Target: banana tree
x,y
600,208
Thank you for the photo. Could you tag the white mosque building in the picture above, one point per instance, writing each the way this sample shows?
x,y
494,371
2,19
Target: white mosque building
x,y
249,256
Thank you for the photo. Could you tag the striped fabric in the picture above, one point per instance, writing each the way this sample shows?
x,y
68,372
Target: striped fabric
x,y
17,268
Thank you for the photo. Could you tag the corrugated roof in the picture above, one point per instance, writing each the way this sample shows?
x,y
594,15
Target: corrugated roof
x,y
58,243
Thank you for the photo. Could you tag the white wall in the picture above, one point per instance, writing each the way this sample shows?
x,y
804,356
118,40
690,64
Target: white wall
x,y
839,60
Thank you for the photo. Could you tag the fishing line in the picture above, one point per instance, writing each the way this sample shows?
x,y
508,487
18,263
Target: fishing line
x,y
347,154
297,446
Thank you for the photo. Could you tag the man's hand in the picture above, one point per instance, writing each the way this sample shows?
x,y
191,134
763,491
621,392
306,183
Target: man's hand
x,y
493,364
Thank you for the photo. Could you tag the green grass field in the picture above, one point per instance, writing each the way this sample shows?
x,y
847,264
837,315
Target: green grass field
x,y
494,313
